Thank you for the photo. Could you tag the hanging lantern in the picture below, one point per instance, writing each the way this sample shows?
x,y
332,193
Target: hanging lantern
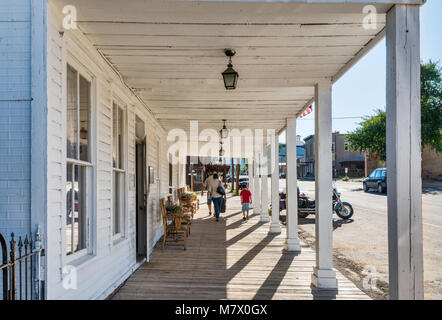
x,y
230,76
224,131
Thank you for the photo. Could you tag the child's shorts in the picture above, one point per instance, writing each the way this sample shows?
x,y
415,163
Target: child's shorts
x,y
245,206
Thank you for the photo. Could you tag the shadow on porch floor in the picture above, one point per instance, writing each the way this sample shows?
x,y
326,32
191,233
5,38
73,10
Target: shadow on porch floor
x,y
230,259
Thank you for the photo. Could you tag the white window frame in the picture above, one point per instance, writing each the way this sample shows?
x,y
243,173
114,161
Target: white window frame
x,y
89,165
120,236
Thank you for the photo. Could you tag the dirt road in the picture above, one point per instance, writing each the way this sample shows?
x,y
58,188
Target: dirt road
x,y
363,241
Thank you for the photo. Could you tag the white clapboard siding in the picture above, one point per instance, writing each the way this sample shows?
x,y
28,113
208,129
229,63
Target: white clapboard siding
x,y
55,162
110,262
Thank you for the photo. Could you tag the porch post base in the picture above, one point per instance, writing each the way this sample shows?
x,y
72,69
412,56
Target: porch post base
x,y
324,279
292,245
275,228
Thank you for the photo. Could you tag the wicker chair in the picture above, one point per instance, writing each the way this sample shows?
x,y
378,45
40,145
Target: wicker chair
x,y
176,231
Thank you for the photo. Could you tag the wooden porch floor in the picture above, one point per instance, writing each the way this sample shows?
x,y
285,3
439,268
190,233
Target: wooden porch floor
x,y
230,259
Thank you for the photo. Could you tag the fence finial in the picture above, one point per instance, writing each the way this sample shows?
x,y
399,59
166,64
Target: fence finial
x,y
12,245
20,245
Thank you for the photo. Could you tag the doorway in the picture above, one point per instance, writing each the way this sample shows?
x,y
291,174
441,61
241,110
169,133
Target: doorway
x,y
141,197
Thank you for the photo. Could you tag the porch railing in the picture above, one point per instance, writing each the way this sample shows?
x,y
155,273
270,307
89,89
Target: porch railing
x,y
21,268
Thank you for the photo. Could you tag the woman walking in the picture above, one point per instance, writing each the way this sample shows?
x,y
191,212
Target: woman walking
x,y
215,187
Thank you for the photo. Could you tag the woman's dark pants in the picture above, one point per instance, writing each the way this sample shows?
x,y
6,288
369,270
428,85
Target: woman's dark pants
x,y
217,202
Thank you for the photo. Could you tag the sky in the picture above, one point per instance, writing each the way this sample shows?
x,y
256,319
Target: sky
x,y
362,89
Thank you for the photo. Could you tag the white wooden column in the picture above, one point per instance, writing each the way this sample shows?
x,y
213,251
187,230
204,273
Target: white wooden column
x,y
275,227
292,240
323,274
257,191
404,154
251,175
264,186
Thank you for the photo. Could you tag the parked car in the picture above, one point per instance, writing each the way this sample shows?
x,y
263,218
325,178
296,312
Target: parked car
x,y
243,182
376,180
282,176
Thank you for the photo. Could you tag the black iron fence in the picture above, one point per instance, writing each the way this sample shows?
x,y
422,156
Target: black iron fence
x,y
21,268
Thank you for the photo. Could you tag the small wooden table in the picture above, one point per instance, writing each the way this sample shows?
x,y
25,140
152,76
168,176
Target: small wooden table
x,y
178,218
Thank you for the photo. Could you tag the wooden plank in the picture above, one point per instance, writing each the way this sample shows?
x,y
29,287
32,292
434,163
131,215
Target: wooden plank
x,y
232,12
213,29
212,74
233,115
226,106
251,65
244,51
216,83
240,95
238,60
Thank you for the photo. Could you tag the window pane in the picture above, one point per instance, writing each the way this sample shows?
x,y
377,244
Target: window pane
x,y
170,174
118,201
116,224
69,209
79,237
71,114
120,138
85,100
114,135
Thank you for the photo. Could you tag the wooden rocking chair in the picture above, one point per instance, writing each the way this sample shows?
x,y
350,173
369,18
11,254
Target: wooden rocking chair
x,y
176,231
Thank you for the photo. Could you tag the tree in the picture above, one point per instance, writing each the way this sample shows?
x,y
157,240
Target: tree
x,y
431,101
370,136
281,148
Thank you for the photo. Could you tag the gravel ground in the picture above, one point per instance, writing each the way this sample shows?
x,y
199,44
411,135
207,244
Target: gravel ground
x,y
361,244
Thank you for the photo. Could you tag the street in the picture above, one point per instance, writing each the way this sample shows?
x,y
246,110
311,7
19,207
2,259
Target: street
x,y
362,243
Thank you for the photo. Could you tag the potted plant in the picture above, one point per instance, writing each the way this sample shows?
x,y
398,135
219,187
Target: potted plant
x,y
188,197
173,208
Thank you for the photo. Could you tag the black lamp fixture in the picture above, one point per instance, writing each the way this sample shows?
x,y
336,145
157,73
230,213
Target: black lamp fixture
x,y
224,131
230,76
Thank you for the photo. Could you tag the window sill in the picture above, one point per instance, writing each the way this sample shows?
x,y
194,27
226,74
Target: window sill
x,y
82,261
118,239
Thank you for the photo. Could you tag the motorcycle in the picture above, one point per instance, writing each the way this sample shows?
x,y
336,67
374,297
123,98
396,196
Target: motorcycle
x,y
307,206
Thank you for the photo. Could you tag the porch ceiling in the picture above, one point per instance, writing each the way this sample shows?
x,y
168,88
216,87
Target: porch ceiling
x,y
172,54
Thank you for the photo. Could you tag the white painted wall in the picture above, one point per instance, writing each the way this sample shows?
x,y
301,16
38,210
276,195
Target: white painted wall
x,y
108,263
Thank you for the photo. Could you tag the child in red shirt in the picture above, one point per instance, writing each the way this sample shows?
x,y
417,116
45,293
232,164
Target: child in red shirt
x,y
246,200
